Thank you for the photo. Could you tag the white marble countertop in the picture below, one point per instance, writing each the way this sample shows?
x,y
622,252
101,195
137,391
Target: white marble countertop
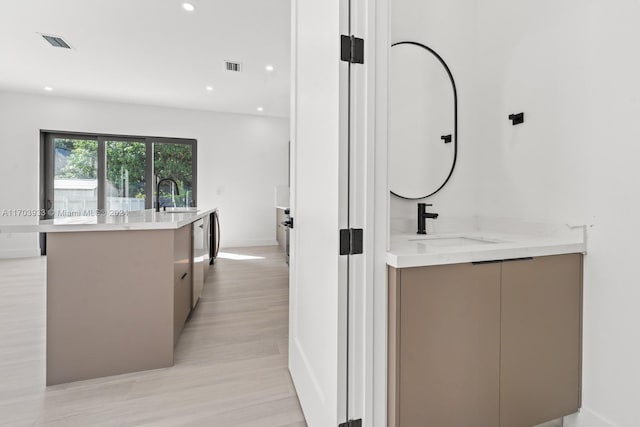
x,y
147,219
413,250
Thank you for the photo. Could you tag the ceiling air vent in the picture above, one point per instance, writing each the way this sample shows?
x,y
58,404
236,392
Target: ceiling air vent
x,y
233,66
56,41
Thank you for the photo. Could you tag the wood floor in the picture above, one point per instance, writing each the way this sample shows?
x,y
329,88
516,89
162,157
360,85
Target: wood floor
x,y
230,367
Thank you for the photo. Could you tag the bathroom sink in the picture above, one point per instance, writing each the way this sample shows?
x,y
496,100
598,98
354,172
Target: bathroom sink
x,y
452,241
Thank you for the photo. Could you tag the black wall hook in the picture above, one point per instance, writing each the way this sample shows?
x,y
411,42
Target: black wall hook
x,y
446,138
516,119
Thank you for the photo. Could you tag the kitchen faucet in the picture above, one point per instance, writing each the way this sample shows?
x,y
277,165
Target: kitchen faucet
x,y
158,191
422,217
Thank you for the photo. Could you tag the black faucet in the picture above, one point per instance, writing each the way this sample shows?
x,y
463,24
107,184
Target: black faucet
x,y
422,217
158,191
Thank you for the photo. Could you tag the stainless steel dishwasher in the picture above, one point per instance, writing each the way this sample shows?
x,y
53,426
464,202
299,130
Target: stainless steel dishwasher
x,y
200,256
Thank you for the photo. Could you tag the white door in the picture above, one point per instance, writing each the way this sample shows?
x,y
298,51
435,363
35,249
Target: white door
x,y
319,207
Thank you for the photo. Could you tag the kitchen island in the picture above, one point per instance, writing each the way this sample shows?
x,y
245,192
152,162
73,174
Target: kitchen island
x,y
119,290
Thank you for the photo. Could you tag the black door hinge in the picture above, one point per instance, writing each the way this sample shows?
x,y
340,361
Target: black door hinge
x,y
351,241
352,49
352,423
288,223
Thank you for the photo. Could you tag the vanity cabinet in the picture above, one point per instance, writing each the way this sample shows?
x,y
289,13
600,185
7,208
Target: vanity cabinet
x,y
540,357
444,343
485,344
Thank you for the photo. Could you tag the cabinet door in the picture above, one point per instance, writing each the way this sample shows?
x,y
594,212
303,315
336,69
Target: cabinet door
x,y
449,327
541,339
182,279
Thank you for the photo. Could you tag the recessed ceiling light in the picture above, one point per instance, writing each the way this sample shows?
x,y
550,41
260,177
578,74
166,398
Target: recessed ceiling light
x,y
209,88
48,88
188,7
260,109
269,68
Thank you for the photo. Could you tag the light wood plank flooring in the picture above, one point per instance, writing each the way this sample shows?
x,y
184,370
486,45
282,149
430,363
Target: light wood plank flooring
x,y
230,367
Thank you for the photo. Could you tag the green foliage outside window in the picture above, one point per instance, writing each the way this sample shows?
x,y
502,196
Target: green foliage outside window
x,y
129,157
81,161
173,161
78,159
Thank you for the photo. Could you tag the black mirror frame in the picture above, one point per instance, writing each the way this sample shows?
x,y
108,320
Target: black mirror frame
x,y
455,119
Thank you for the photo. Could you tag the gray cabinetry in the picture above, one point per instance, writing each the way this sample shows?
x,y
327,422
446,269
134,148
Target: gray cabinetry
x,y
540,372
491,344
182,279
445,335
118,299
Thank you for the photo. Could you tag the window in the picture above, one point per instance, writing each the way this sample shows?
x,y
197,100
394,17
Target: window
x,y
85,174
174,161
75,180
125,185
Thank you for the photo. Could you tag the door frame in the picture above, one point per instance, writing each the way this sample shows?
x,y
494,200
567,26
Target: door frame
x,y
372,22
368,398
362,214
377,324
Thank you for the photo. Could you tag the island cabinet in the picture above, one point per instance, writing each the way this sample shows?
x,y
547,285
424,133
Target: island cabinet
x,y
485,344
116,300
182,279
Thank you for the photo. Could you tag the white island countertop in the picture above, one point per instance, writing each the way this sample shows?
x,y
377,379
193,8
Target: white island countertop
x,y
413,250
147,219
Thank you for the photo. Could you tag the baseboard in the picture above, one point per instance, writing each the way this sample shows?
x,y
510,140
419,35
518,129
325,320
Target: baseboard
x,y
248,243
19,253
586,418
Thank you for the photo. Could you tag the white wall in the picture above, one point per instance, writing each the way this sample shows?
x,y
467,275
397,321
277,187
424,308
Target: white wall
x,y
571,67
449,29
241,158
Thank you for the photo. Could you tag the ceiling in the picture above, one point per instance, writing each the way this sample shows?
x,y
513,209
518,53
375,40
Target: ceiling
x,y
151,52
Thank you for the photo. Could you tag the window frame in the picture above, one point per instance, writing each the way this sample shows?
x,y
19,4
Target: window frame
x,y
47,164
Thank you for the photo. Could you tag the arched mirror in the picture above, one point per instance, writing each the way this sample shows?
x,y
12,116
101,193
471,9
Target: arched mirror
x,y
423,121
